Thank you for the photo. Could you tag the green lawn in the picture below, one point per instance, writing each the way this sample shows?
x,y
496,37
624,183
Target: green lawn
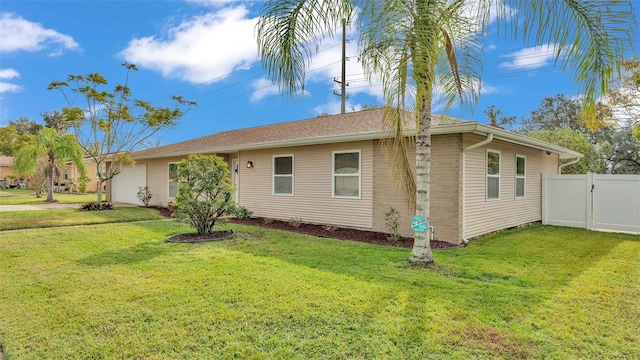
x,y
120,291
26,197
13,220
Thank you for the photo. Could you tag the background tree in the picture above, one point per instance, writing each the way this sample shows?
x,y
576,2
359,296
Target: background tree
x,y
557,112
620,150
497,120
25,126
11,142
56,149
204,191
414,45
574,140
624,98
112,125
56,121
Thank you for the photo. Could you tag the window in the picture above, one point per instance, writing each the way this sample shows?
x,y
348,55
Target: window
x,y
102,169
346,174
493,175
173,180
283,175
520,175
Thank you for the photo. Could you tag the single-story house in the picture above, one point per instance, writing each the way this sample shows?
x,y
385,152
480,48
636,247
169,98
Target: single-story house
x,y
67,181
7,171
334,170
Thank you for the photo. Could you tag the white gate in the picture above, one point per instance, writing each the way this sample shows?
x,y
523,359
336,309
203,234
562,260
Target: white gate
x,y
592,201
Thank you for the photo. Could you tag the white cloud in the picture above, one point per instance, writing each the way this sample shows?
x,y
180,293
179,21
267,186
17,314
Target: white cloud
x,y
531,58
8,87
202,48
263,88
18,34
8,74
333,107
211,3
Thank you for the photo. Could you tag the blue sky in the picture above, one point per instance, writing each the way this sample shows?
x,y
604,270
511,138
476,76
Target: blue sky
x,y
206,51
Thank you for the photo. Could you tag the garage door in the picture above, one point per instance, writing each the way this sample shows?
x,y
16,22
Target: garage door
x,y
124,186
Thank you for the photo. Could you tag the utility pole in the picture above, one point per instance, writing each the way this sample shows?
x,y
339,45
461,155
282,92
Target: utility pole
x,y
343,81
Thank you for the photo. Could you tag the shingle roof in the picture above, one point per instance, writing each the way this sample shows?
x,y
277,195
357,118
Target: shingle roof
x,y
324,129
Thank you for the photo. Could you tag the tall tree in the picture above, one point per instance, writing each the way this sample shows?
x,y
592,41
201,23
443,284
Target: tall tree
x,y
592,161
25,126
496,119
56,150
11,142
416,44
56,121
624,98
112,124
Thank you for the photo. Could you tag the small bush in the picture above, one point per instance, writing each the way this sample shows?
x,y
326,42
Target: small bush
x,y
391,218
329,227
242,212
267,221
295,222
144,195
94,206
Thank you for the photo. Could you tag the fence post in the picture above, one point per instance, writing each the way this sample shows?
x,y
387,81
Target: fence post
x,y
544,198
589,195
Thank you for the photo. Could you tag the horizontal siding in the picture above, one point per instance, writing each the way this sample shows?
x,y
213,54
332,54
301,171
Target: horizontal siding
x,y
388,193
485,216
312,200
445,189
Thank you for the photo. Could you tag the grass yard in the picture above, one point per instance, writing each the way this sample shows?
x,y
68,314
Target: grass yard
x,y
28,197
13,220
120,291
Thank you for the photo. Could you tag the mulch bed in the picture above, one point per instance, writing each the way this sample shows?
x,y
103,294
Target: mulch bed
x,y
195,238
370,237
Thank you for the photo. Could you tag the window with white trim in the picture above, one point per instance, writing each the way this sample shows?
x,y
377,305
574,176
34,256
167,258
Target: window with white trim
x,y
493,175
520,175
283,175
346,173
173,180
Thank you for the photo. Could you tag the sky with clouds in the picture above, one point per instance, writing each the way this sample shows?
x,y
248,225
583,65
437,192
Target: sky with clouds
x,y
206,51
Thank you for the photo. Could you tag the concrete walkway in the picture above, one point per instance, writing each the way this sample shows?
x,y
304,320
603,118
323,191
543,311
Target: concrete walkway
x,y
38,207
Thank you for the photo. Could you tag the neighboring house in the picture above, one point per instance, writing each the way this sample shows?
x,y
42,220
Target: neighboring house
x,y
334,170
7,170
71,176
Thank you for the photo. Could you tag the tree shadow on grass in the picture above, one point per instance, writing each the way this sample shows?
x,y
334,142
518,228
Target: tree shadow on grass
x,y
136,254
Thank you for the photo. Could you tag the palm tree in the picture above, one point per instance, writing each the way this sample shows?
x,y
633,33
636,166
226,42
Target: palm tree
x,y
415,45
56,149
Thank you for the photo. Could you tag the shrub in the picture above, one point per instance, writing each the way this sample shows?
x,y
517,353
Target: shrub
x,y
391,218
329,227
242,212
204,191
94,206
295,222
144,195
267,220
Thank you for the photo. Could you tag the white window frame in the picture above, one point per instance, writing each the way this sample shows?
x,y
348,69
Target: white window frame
x,y
169,180
274,175
334,175
487,175
523,177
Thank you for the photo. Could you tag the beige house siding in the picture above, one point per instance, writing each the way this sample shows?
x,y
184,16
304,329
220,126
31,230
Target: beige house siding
x,y
484,216
312,199
387,191
445,189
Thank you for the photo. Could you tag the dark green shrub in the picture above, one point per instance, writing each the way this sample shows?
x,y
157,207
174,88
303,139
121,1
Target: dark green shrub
x,y
94,206
204,191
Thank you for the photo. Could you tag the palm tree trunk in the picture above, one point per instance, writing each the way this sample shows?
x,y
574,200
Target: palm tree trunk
x,y
421,253
52,169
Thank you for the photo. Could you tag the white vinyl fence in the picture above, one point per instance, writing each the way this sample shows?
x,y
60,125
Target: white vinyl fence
x,y
592,201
